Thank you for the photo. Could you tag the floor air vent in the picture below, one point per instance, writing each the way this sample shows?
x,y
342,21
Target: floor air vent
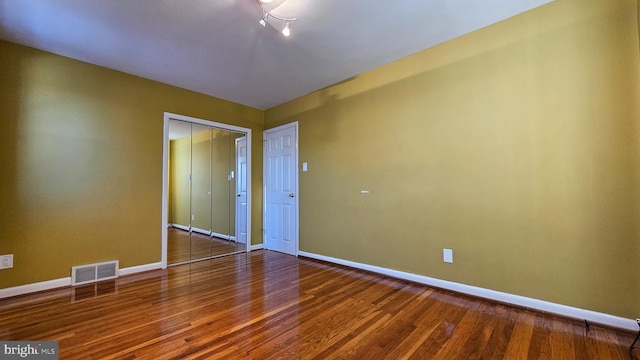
x,y
85,274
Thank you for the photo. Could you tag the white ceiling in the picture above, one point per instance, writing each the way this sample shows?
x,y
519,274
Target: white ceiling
x,y
217,47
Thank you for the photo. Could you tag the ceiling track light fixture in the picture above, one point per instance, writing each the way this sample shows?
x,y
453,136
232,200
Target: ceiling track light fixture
x,y
286,29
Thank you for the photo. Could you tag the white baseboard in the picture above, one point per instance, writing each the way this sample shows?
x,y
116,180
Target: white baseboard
x,y
139,269
62,282
256,247
203,231
222,236
178,226
34,287
541,305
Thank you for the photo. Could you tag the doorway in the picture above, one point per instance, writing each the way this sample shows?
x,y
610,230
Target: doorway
x,y
281,189
206,190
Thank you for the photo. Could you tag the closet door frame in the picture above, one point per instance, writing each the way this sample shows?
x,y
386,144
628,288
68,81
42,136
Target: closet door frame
x,y
165,173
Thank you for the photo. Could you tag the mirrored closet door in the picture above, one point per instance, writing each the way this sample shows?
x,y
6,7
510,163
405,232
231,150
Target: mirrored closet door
x,y
207,192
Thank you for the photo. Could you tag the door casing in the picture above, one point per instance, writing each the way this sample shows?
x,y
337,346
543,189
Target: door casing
x,y
241,190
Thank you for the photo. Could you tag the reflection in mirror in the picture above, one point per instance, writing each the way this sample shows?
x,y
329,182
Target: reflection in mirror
x,y
240,190
222,233
203,193
178,239
200,212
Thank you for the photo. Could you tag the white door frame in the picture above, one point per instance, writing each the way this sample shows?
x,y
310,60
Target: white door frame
x,y
237,191
165,173
264,186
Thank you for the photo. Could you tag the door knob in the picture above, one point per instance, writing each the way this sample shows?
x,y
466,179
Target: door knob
x,y
238,195
292,195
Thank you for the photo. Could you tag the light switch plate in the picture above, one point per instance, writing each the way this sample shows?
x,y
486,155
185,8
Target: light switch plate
x,y
304,166
447,256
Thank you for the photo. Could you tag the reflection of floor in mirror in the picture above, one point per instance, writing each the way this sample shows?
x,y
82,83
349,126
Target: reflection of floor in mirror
x,y
180,248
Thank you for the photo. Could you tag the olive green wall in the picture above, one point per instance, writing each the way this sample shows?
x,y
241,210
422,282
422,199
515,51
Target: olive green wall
x,y
516,146
81,162
179,170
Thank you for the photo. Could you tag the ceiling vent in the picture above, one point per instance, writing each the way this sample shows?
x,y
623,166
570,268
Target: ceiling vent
x,y
85,274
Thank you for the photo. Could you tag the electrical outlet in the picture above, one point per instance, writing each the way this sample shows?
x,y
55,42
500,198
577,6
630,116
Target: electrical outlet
x,y
6,261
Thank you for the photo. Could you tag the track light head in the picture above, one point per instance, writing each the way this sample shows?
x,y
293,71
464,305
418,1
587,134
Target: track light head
x,y
263,21
286,31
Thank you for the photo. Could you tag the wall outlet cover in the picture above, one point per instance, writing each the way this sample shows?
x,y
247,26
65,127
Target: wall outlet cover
x,y
6,261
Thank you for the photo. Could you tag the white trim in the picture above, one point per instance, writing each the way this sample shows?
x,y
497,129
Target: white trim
x,y
165,173
165,191
264,186
181,227
541,305
39,286
249,188
256,247
221,236
297,231
238,182
139,269
63,282
204,232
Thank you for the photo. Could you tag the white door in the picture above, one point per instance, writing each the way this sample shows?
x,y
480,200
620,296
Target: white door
x,y
281,187
241,190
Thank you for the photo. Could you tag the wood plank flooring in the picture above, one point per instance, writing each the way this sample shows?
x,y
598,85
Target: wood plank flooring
x,y
183,248
266,305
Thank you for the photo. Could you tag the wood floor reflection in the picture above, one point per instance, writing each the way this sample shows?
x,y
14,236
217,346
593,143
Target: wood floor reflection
x,y
182,248
267,305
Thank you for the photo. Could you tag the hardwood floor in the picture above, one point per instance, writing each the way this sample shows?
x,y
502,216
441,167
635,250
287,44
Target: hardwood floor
x,y
182,248
267,305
